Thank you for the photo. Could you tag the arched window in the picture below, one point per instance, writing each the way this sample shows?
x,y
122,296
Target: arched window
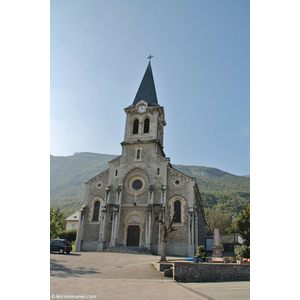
x,y
135,127
96,211
177,211
146,125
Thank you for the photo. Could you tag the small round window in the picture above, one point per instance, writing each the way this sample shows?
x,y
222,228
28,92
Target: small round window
x,y
99,185
177,182
137,184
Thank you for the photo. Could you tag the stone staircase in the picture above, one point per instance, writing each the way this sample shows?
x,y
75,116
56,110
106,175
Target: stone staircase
x,y
128,249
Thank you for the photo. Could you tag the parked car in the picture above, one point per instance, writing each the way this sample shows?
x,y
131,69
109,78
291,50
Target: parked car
x,y
61,246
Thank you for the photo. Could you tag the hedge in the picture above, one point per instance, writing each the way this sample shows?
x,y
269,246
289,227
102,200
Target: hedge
x,y
69,235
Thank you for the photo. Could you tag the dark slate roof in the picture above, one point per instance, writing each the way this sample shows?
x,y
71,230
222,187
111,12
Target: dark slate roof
x,y
146,90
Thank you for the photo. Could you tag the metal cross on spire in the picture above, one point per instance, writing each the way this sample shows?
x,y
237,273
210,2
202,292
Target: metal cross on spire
x,y
149,57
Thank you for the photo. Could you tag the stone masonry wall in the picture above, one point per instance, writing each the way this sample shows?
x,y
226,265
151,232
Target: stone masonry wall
x,y
95,189
178,185
177,249
204,272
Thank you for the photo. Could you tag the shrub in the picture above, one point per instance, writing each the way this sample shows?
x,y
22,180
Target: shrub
x,y
69,235
242,251
201,252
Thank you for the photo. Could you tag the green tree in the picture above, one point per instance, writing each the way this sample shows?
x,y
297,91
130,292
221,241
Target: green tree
x,y
217,219
244,224
242,251
56,222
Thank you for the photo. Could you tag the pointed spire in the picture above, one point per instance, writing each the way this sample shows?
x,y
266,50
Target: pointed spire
x,y
146,90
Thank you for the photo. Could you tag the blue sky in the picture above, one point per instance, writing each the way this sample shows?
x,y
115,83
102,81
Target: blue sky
x,y
201,68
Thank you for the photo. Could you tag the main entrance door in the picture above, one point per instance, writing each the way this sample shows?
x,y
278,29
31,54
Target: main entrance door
x,y
133,236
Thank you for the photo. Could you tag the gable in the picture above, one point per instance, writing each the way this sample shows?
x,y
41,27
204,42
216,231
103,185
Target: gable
x,y
178,173
98,177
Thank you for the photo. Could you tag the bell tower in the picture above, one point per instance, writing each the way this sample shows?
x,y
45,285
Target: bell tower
x,y
145,118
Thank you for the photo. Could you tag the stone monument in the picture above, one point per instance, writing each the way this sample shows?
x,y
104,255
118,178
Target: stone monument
x,y
217,246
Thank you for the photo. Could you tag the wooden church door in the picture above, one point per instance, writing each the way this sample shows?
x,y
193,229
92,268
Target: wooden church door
x,y
133,236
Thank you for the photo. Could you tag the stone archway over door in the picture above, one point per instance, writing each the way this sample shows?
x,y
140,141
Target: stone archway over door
x,y
133,236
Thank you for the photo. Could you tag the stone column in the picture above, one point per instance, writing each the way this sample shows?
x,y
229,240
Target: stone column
x,y
102,231
196,228
148,233
191,246
107,194
115,225
148,228
163,195
117,209
80,228
150,194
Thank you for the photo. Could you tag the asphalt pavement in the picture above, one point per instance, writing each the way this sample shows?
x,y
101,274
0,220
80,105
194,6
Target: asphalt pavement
x,y
100,275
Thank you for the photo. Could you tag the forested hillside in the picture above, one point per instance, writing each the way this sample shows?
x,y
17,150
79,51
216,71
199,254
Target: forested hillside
x,y
219,190
67,177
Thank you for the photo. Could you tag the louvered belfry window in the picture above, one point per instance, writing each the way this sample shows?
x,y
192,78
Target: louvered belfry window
x,y
146,125
135,126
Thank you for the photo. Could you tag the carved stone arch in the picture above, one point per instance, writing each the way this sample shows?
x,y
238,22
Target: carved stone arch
x,y
96,199
183,202
147,116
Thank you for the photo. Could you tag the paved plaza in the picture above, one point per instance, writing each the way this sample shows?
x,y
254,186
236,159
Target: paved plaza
x,y
99,275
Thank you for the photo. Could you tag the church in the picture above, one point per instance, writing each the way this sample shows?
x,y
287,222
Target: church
x,y
123,204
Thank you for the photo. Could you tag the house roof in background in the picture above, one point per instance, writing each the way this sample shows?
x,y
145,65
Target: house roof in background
x,y
74,217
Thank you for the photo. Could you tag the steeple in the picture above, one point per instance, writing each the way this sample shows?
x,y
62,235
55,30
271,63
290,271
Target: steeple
x,y
146,90
145,118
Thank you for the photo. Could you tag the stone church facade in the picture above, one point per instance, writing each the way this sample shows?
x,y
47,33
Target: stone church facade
x,y
123,204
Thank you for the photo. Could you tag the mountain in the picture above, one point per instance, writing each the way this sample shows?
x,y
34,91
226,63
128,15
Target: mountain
x,y
67,177
218,189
